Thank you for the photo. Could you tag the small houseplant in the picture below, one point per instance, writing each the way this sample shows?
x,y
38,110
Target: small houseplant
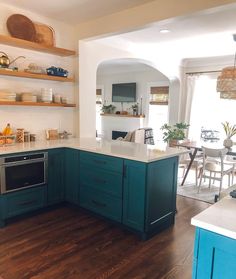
x,y
230,131
173,134
108,108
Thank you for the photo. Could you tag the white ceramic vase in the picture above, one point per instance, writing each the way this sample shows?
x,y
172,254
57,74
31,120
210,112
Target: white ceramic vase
x,y
228,143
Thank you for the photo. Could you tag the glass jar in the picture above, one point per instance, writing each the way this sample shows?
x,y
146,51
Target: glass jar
x,y
20,135
26,136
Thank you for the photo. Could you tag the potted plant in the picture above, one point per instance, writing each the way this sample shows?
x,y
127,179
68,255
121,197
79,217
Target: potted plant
x,y
173,134
108,108
230,131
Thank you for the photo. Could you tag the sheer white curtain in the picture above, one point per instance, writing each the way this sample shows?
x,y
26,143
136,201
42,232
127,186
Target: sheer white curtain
x,y
205,107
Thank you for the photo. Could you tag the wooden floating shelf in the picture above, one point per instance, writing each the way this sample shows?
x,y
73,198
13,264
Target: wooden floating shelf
x,y
122,115
22,74
11,41
36,104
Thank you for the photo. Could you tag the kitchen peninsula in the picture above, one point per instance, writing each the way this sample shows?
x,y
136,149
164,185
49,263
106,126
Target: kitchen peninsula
x,y
130,184
215,241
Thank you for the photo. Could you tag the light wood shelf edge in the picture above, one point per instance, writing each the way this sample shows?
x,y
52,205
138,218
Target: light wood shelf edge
x,y
122,115
11,41
36,104
22,74
158,103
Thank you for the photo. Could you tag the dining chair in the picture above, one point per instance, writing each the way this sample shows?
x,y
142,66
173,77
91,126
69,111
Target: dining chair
x,y
197,165
213,163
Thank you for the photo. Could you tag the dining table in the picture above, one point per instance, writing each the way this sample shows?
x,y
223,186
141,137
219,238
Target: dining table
x,y
195,146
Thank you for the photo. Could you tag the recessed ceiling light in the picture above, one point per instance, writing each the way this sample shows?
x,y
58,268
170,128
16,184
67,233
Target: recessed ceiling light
x,y
164,31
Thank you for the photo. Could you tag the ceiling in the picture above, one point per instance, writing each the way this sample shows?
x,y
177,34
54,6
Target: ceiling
x,y
75,11
203,34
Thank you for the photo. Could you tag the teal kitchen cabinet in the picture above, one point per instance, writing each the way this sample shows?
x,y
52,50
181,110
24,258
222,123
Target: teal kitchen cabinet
x,y
55,188
101,184
134,194
214,256
22,201
149,201
71,175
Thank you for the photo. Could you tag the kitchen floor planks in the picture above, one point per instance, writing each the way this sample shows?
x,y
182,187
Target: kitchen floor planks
x,y
67,243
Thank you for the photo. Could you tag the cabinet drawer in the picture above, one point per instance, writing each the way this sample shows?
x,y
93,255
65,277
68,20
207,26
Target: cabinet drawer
x,y
23,201
101,203
102,180
101,161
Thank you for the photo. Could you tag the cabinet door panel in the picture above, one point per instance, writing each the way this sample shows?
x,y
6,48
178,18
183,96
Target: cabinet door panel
x,y
101,203
72,175
106,181
22,201
93,160
216,258
134,190
55,176
161,192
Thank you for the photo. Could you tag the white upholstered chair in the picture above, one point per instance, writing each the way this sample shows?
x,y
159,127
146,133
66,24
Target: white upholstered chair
x,y
213,163
196,165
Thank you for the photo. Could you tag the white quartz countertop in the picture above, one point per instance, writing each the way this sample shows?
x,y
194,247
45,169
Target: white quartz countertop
x,y
121,149
219,218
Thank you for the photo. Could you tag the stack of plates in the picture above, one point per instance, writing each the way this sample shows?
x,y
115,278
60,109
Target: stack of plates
x,y
46,95
7,96
28,97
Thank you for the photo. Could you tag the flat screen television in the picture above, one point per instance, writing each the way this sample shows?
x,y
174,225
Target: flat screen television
x,y
124,92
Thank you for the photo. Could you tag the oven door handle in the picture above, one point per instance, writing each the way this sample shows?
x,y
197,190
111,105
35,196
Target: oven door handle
x,y
19,163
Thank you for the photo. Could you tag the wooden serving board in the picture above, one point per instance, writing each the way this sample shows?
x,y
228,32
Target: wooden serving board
x,y
21,27
45,34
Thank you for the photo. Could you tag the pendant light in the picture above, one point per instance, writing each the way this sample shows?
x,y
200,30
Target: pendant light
x,y
226,81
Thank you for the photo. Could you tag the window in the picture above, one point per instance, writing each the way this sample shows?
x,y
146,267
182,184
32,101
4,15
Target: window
x,y
208,109
158,110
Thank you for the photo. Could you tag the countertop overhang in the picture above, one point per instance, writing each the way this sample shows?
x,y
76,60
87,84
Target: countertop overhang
x,y
219,218
127,150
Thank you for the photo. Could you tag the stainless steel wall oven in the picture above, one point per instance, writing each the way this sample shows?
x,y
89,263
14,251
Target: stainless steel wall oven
x,y
23,171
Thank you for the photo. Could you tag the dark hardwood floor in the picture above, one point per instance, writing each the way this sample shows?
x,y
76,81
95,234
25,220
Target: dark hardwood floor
x,y
69,244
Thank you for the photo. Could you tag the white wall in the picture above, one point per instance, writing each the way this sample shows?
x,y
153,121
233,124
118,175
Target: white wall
x,y
94,53
143,79
37,119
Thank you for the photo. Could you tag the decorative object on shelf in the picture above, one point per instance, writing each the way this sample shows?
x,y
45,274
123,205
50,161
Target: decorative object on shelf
x,y
45,34
226,81
5,61
230,131
64,100
21,27
135,109
6,96
28,97
57,99
35,69
54,71
175,133
108,108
